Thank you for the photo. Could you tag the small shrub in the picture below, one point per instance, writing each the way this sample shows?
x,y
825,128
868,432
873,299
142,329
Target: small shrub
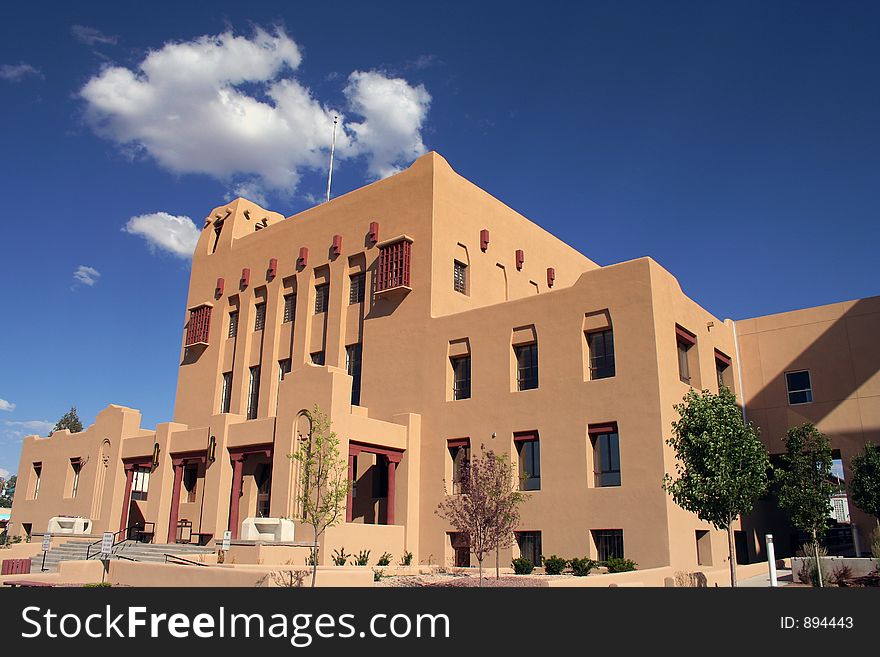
x,y
522,565
620,565
406,559
384,560
875,543
363,558
841,575
581,567
809,571
378,574
313,555
97,585
340,557
554,565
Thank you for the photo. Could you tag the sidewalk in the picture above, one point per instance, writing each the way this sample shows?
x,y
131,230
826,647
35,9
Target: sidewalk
x,y
783,577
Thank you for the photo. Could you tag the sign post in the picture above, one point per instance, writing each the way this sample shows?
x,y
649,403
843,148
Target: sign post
x,y
106,551
47,545
227,539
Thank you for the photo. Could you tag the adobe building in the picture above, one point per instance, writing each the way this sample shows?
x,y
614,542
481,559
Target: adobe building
x,y
431,321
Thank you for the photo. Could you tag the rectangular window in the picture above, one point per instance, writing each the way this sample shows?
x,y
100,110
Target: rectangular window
x,y
394,264
75,466
140,483
606,455
601,345
609,543
226,392
528,448
353,368
198,326
253,392
38,474
460,453
233,324
318,358
530,546
357,285
322,298
259,316
685,341
289,308
722,371
799,387
283,368
459,277
526,366
190,478
461,377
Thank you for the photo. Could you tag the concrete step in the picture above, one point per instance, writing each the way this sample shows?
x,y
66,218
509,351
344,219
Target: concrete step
x,y
76,550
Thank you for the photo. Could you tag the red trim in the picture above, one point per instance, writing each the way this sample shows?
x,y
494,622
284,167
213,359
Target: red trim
x,y
198,326
235,494
520,259
175,503
484,239
394,264
683,335
393,455
607,427
218,289
392,491
273,269
551,276
245,277
196,456
265,450
374,231
336,249
138,461
303,259
458,442
723,358
525,437
126,499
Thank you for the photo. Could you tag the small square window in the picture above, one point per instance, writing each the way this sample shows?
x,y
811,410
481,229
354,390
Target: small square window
x,y
609,543
459,277
800,389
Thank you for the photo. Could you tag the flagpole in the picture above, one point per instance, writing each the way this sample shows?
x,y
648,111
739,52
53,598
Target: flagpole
x,y
332,149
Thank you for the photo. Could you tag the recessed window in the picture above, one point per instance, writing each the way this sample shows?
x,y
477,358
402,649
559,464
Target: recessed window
x,y
353,368
253,392
704,547
289,308
190,478
322,298
260,316
460,454
233,324
609,543
317,358
283,368
723,371
75,467
601,345
526,366
461,377
459,277
357,285
606,455
685,342
800,389
38,475
140,483
226,392
529,544
528,449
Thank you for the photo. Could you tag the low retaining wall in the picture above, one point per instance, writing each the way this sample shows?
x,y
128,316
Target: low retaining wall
x,y
664,576
858,566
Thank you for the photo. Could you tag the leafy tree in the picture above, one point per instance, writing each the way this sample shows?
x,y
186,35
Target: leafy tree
x,y
323,479
865,485
804,483
722,465
69,421
7,491
487,510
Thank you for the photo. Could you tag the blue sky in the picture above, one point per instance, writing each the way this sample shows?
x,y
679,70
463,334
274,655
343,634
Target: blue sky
x,y
736,143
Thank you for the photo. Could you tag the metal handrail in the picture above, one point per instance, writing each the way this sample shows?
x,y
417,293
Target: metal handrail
x,y
125,532
174,556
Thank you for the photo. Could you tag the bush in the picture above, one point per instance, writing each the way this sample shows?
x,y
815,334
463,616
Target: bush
x,y
378,574
554,565
406,559
809,572
522,566
581,567
340,557
384,560
840,575
97,585
620,565
875,543
363,558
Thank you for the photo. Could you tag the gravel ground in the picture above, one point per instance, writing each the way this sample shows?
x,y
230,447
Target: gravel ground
x,y
451,580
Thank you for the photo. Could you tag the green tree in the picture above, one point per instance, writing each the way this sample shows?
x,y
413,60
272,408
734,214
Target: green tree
x,y
865,485
804,483
721,463
69,421
323,479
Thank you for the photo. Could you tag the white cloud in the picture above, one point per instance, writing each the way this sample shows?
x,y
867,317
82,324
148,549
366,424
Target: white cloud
x,y
6,406
18,72
91,36
4,473
229,106
165,232
86,275
39,426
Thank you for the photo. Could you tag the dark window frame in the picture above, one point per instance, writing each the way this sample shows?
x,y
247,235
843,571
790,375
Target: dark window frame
x,y
606,447
461,377
807,393
357,285
528,449
602,366
609,543
459,277
322,298
289,308
526,366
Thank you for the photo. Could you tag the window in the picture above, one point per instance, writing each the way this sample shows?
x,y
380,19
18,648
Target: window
x,y
322,297
394,263
233,324
353,368
38,474
526,366
198,326
606,455
609,543
528,449
530,546
190,478
460,453
253,392
459,277
461,377
283,368
704,547
685,341
722,371
260,316
140,483
800,390
226,392
357,285
289,308
601,345
75,466
318,358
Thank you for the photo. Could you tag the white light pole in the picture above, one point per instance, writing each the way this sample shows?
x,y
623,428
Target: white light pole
x,y
332,150
771,560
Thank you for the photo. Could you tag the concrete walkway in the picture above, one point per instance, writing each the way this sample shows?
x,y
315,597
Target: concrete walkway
x,y
783,577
